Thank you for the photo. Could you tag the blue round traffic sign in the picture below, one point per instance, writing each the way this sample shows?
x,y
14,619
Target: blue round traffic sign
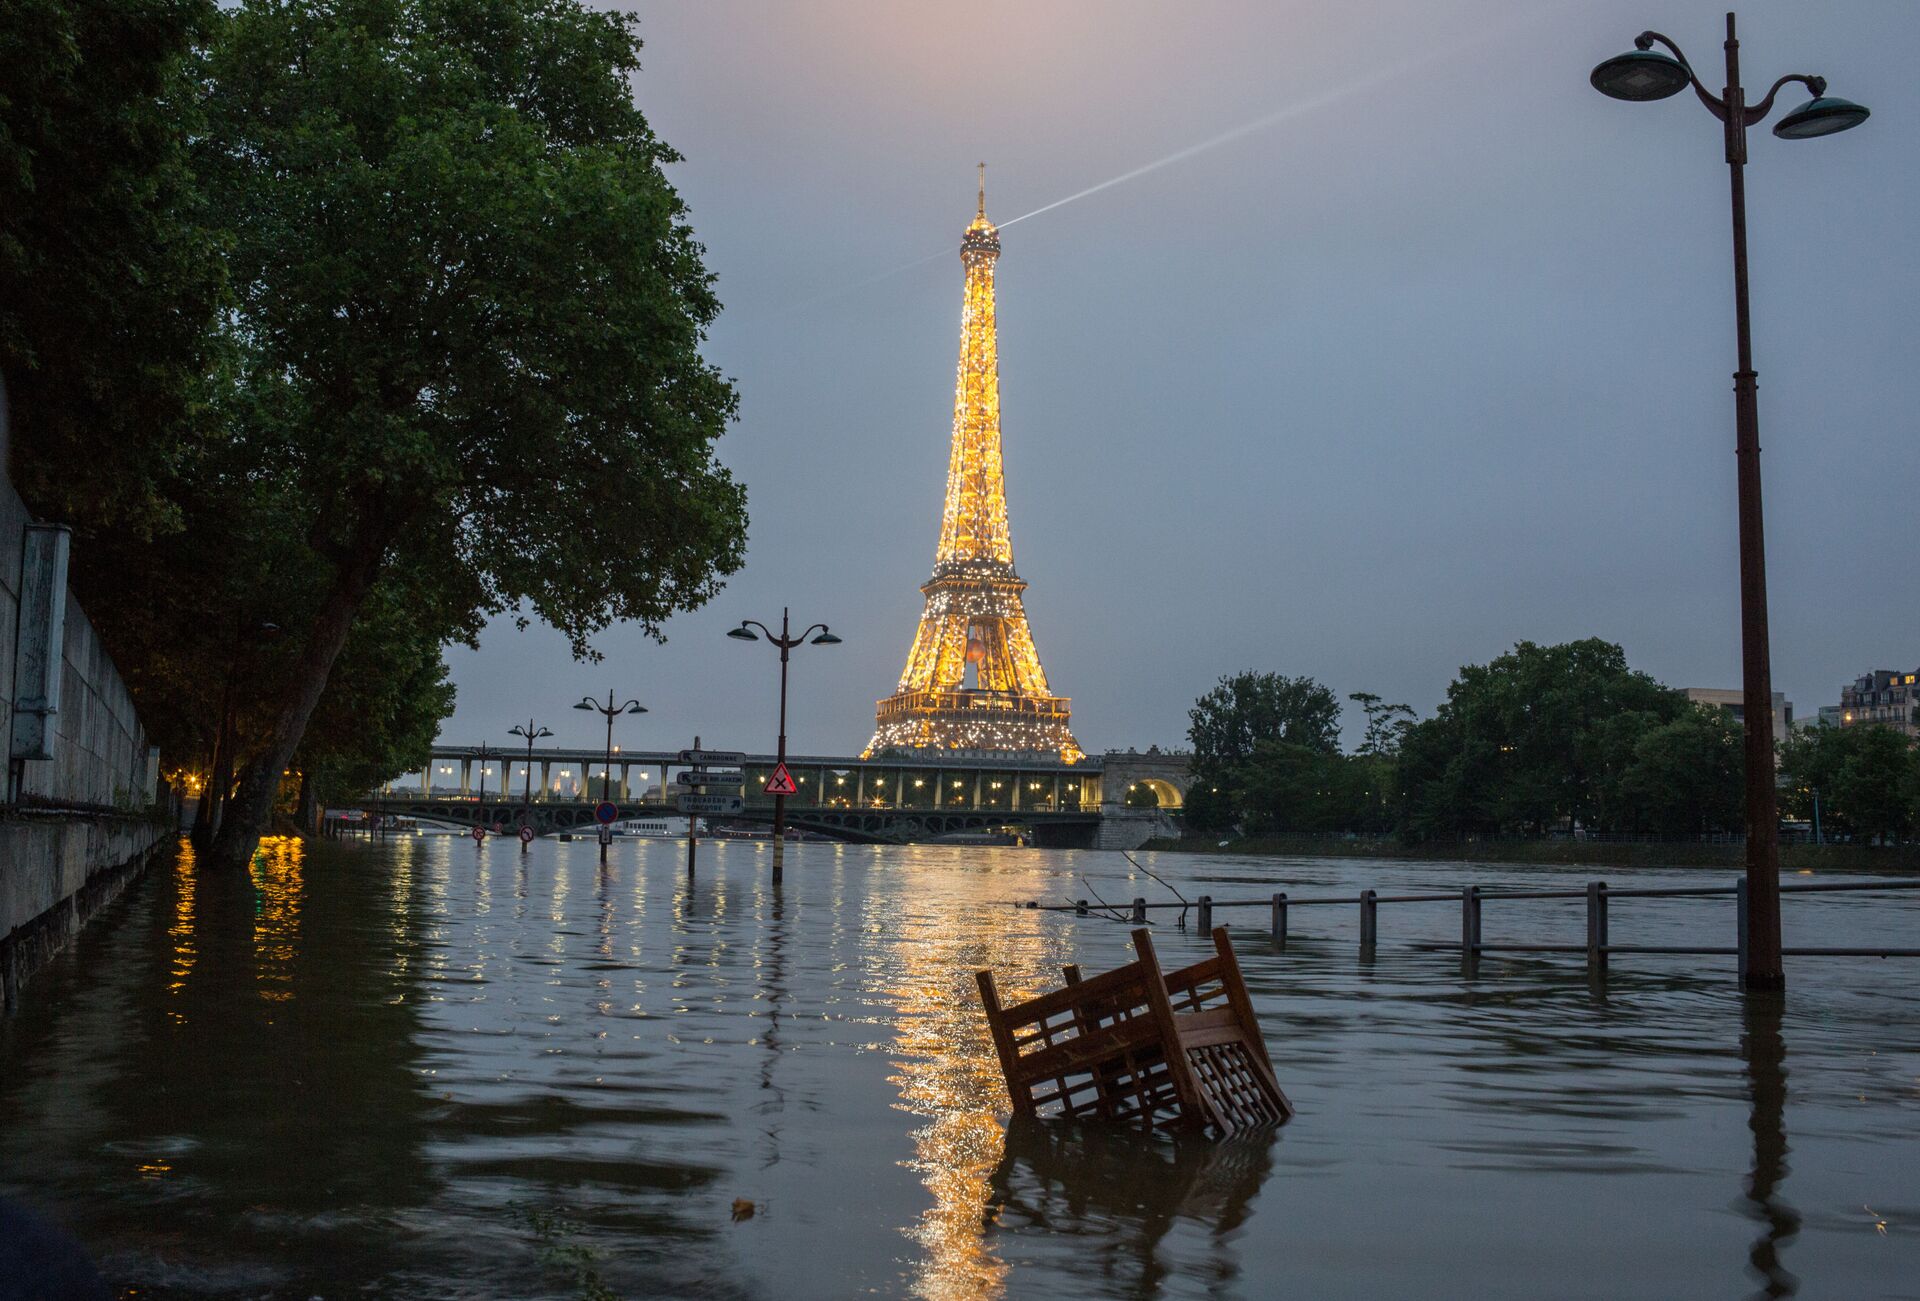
x,y
606,812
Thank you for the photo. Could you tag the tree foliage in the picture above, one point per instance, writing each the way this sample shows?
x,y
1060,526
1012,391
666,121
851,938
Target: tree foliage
x,y
1867,778
1248,708
1528,741
109,274
1675,779
468,310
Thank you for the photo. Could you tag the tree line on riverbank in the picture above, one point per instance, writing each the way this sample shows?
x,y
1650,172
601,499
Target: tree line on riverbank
x,y
333,328
1540,740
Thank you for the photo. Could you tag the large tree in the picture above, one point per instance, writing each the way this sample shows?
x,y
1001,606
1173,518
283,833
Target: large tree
x,y
1527,741
468,317
1866,778
1248,708
1679,778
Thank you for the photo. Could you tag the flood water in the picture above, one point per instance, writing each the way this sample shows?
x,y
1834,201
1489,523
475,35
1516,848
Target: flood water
x,y
427,1068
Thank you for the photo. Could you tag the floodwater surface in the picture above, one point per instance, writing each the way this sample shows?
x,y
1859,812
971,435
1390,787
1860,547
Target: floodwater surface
x,y
425,1068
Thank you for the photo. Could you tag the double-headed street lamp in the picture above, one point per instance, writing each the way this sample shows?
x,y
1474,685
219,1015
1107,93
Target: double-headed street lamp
x,y
532,734
786,644
611,711
1644,73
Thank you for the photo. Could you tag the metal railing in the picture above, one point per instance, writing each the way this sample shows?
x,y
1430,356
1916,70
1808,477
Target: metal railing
x,y
1473,899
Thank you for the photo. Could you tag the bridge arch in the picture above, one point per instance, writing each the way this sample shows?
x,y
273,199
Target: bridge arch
x,y
1162,792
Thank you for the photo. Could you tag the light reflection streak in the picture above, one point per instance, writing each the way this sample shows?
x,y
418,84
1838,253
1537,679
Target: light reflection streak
x,y
184,950
947,1072
1345,90
279,880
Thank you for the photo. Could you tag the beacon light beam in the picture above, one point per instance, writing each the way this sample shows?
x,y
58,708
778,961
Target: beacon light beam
x,y
1275,118
1304,107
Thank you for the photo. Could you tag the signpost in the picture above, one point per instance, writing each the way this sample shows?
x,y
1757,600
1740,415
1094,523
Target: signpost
x,y
694,805
710,779
526,837
479,834
699,758
709,806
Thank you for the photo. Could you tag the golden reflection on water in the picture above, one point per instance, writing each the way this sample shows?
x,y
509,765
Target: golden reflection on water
x,y
279,876
948,1073
183,950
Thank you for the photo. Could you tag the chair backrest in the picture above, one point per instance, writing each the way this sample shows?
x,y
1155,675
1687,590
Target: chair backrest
x,y
1179,1049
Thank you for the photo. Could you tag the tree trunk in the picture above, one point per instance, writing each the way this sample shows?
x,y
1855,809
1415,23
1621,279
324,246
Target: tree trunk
x,y
250,811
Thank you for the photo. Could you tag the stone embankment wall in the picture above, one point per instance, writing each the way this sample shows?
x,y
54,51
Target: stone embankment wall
x,y
74,829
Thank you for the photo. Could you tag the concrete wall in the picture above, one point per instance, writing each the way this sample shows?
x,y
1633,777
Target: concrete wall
x,y
80,827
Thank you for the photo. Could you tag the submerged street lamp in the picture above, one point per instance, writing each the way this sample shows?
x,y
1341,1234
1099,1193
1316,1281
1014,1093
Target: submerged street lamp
x,y
612,711
532,734
1641,74
786,644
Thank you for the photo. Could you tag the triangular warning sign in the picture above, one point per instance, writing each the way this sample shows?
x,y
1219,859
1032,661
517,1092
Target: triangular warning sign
x,y
781,783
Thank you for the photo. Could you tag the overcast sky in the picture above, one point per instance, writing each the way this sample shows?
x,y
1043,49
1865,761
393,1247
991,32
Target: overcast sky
x,y
1438,362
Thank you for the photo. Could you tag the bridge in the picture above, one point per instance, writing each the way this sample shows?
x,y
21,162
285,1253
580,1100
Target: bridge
x,y
1117,800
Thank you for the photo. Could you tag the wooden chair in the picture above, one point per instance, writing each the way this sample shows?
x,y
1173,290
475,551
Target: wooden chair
x,y
1179,1050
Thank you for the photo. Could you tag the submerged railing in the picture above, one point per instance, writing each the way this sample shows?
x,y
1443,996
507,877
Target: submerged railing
x,y
1473,899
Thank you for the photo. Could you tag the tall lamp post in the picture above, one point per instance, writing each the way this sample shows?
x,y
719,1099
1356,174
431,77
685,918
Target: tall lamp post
x,y
532,734
612,711
786,644
1644,73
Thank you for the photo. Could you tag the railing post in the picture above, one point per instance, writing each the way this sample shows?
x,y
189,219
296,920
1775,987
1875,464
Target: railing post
x,y
1280,919
1597,928
1470,923
1206,914
1740,928
1139,911
1080,907
1369,917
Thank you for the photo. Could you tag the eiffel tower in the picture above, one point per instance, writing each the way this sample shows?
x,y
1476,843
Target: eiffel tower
x,y
973,680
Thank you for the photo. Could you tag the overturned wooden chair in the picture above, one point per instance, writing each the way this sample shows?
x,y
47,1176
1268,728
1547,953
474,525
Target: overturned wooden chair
x,y
1173,1050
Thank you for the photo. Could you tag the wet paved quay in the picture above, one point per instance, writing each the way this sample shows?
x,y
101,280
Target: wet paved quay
x,y
430,1069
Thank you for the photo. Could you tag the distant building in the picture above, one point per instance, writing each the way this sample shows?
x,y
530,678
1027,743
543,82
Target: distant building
x,y
1884,696
1829,716
1735,703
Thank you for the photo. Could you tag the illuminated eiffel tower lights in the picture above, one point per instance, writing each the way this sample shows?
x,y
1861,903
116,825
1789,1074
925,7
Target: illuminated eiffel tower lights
x,y
973,679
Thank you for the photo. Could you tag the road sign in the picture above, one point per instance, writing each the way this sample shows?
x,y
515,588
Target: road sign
x,y
606,836
781,783
710,805
710,779
713,758
479,833
526,835
605,812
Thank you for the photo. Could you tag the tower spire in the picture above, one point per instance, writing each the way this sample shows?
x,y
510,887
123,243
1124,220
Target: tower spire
x,y
973,679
